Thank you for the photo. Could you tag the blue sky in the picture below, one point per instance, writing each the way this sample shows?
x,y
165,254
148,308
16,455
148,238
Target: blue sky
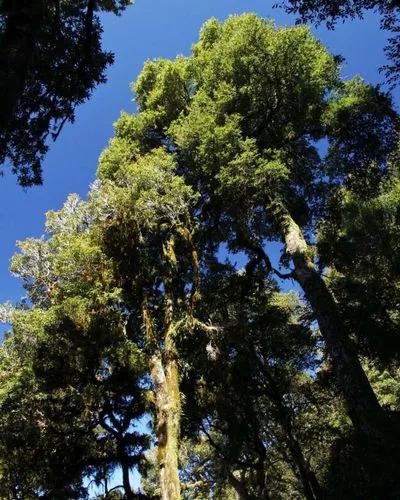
x,y
148,29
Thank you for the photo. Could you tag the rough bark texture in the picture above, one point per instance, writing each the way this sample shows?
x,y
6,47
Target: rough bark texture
x,y
167,402
362,405
165,376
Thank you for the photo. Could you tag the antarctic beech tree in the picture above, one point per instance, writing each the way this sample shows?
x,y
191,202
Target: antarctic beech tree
x,y
150,238
243,115
129,253
362,404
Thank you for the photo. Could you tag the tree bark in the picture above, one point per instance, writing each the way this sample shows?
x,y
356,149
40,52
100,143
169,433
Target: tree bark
x,y
165,376
167,403
362,405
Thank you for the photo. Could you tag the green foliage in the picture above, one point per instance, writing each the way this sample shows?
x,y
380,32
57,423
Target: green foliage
x,y
247,388
51,59
359,236
131,310
247,109
331,11
359,158
61,383
80,380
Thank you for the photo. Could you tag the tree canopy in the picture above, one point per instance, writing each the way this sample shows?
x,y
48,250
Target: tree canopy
x,y
136,305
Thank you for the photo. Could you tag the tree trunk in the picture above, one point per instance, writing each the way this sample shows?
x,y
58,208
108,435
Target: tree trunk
x,y
168,409
311,486
126,482
238,487
362,405
165,376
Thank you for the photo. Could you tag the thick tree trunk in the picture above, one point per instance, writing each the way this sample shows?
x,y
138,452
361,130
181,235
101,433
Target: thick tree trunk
x,y
165,376
362,405
168,409
164,369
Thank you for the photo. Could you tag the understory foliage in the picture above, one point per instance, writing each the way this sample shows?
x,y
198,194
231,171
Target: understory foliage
x,y
159,295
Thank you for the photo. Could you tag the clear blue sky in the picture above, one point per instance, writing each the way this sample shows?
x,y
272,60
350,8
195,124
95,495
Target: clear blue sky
x,y
148,29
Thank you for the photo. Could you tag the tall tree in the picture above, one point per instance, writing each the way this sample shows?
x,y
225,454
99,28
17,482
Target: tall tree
x,y
150,237
244,114
129,250
242,387
223,153
72,379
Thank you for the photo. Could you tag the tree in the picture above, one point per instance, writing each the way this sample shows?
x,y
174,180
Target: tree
x,y
255,413
128,251
331,12
246,387
243,115
150,236
72,379
50,61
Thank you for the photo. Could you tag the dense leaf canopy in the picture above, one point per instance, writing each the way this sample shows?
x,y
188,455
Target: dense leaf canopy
x,y
136,304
